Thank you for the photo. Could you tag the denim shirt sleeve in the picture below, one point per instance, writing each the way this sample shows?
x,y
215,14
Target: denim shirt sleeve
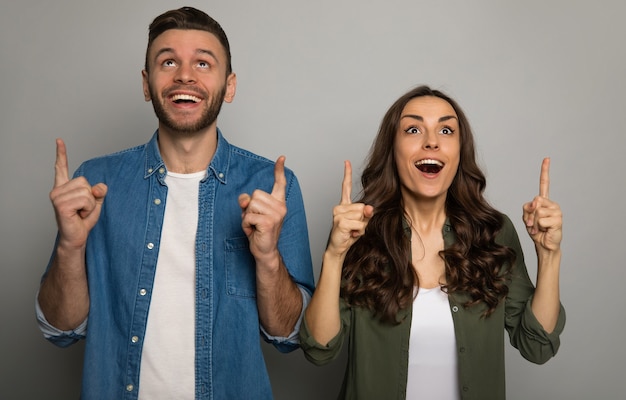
x,y
57,336
293,337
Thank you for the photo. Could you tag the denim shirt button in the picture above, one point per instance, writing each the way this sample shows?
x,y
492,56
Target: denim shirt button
x,y
143,292
221,175
161,170
150,246
129,388
134,339
157,201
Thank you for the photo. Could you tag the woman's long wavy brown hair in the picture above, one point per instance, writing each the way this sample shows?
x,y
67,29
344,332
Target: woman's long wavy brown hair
x,y
377,272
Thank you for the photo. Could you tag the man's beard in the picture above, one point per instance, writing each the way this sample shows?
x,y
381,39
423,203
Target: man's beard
x,y
209,115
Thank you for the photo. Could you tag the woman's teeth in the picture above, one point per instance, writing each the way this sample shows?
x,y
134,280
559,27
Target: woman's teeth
x,y
429,166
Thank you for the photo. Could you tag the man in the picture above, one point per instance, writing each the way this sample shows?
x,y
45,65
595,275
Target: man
x,y
172,256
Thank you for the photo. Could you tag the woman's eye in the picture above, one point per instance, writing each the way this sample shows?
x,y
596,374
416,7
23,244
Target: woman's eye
x,y
447,131
412,130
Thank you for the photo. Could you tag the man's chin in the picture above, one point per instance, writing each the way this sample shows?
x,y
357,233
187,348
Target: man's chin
x,y
184,131
186,125
187,128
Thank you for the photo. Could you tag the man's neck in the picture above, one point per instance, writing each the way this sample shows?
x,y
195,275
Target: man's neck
x,y
187,153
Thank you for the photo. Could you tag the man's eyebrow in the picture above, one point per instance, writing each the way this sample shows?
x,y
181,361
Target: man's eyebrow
x,y
198,51
162,51
420,118
210,53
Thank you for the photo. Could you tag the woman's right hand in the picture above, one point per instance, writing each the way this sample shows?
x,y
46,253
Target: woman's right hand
x,y
349,219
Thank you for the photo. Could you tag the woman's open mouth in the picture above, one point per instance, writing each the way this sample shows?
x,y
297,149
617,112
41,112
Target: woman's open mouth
x,y
429,166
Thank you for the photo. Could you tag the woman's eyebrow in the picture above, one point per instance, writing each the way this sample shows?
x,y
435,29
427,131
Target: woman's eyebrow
x,y
420,118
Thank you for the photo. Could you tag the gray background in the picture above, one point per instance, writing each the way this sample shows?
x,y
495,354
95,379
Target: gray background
x,y
536,78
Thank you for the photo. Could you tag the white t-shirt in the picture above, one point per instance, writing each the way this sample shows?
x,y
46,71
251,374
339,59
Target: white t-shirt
x,y
433,365
168,356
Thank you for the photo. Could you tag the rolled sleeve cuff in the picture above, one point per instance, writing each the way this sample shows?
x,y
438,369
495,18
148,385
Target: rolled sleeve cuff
x,y
293,338
50,332
550,341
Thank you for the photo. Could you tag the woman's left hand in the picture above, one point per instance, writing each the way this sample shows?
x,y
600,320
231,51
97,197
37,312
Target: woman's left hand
x,y
542,216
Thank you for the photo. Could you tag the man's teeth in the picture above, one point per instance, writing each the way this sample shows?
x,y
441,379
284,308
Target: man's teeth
x,y
185,97
429,162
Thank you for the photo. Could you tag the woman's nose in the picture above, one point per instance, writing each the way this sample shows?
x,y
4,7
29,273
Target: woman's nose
x,y
431,141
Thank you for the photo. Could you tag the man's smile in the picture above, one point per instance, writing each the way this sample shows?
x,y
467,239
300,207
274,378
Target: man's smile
x,y
185,98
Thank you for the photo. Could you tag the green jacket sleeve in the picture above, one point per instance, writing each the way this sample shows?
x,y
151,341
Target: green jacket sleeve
x,y
525,332
319,354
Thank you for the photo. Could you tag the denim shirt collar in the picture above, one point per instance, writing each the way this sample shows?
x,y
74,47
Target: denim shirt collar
x,y
154,162
218,166
220,163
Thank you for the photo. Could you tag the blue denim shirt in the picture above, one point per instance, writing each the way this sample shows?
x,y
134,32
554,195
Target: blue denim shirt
x,y
121,259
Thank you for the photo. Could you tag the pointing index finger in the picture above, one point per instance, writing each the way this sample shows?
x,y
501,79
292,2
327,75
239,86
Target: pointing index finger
x,y
61,170
544,178
346,184
280,182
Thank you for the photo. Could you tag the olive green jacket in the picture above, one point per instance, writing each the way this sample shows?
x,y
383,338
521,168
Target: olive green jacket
x,y
378,353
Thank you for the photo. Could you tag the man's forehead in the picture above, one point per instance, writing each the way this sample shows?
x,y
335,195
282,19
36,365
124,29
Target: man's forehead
x,y
175,38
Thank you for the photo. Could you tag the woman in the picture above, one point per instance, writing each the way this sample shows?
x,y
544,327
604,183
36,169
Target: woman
x,y
423,275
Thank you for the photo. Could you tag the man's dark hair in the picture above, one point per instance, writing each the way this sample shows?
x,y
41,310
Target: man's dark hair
x,y
188,18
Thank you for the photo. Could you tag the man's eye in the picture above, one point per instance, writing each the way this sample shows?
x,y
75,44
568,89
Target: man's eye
x,y
412,130
203,64
169,63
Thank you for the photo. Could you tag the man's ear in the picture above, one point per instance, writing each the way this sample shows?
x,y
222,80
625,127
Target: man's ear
x,y
231,87
146,85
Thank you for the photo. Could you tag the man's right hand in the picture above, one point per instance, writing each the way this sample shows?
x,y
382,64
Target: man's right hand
x,y
76,203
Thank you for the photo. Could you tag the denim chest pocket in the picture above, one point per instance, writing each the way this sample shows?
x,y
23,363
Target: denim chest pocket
x,y
240,268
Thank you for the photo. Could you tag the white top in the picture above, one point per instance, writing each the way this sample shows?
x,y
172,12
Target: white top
x,y
433,369
168,356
